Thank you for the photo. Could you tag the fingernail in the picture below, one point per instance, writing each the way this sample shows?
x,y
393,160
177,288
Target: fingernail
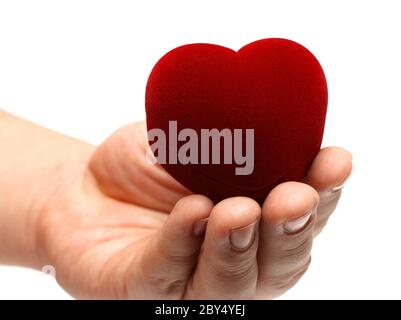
x,y
342,184
241,239
295,225
200,227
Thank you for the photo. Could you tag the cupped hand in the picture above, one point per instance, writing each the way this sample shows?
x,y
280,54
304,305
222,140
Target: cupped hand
x,y
123,228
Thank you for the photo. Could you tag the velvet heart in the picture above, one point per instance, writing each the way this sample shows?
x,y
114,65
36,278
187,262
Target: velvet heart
x,y
267,103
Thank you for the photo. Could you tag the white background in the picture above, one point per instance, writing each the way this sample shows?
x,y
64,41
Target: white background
x,y
80,67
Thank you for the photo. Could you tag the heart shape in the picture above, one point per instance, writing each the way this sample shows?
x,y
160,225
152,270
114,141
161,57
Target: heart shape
x,y
274,86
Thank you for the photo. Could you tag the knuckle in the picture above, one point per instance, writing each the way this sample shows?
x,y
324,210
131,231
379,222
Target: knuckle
x,y
175,256
285,281
296,246
329,199
167,287
236,267
236,275
171,287
178,260
297,250
290,253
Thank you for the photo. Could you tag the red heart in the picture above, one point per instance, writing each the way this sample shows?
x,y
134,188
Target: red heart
x,y
274,86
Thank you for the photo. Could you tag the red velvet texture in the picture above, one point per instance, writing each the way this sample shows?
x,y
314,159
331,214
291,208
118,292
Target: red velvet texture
x,y
274,86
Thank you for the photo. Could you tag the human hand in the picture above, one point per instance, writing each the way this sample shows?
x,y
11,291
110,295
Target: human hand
x,y
124,228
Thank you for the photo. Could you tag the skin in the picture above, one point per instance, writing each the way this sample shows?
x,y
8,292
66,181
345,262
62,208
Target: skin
x,y
115,226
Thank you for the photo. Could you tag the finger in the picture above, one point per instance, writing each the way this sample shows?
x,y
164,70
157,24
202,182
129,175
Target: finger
x,y
120,162
227,267
172,253
286,237
328,174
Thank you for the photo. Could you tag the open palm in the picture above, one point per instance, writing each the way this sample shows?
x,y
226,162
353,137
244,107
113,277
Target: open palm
x,y
125,229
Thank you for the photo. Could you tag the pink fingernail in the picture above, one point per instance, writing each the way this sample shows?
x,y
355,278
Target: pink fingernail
x,y
295,225
242,239
341,185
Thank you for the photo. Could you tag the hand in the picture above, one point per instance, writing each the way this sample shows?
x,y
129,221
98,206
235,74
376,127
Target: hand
x,y
124,228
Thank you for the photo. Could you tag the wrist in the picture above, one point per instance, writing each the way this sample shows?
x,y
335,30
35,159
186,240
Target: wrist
x,y
68,180
38,165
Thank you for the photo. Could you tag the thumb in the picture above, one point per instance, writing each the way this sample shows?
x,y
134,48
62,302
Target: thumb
x,y
124,172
